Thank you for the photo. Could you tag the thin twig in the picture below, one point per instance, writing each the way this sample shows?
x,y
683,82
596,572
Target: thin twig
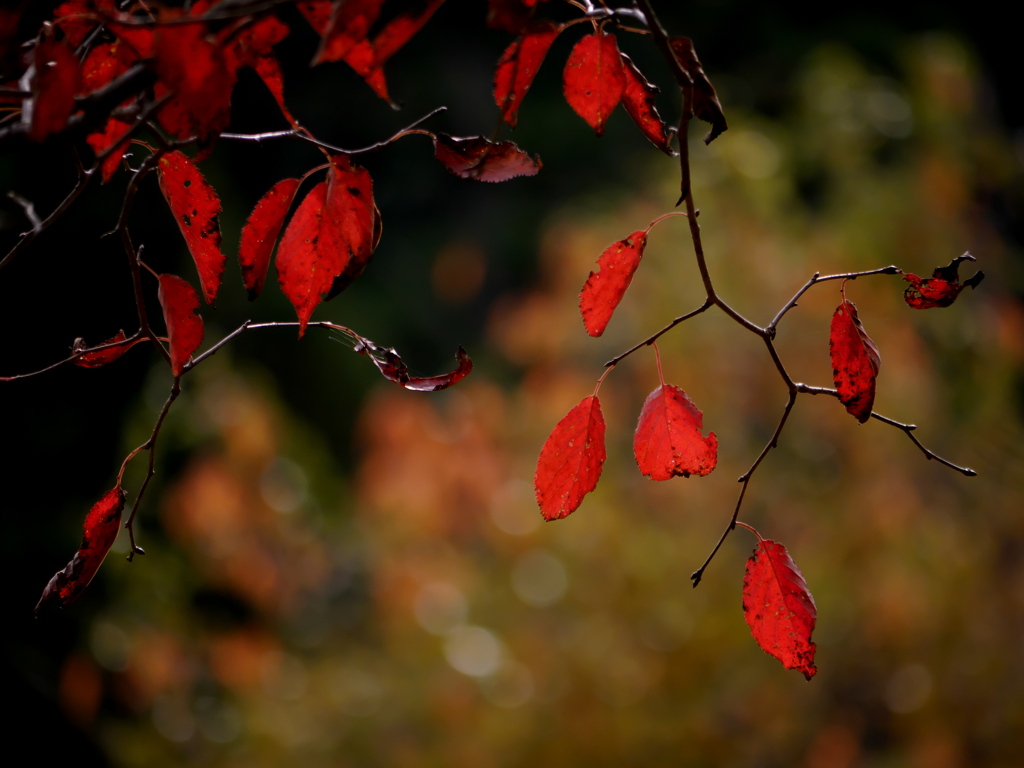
x,y
129,342
654,337
819,278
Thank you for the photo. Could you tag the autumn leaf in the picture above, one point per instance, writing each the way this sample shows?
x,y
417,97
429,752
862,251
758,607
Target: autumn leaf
x,y
329,239
348,24
778,607
114,132
855,361
668,440
706,105
571,460
196,208
259,235
77,18
101,526
605,288
638,101
942,288
253,47
56,81
180,305
101,357
594,79
518,67
475,157
391,366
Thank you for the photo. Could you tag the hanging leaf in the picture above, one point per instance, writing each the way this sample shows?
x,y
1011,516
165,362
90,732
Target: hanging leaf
x,y
56,81
390,364
475,157
605,288
706,105
196,208
779,608
855,361
668,440
638,101
348,25
253,47
942,288
101,526
571,460
101,357
518,66
259,235
329,239
180,305
594,79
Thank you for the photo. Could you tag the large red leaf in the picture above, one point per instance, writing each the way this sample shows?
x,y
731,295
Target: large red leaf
x,y
604,289
855,361
779,608
196,208
259,235
329,239
571,460
668,440
638,100
393,368
475,157
594,79
56,81
101,526
180,305
942,288
518,66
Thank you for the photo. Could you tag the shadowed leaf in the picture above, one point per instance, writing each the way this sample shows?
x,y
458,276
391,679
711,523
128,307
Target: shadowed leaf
x,y
56,81
706,105
638,101
478,158
390,364
102,357
518,66
942,288
259,235
855,361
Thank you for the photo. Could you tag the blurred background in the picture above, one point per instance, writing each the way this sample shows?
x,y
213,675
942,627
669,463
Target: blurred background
x,y
343,573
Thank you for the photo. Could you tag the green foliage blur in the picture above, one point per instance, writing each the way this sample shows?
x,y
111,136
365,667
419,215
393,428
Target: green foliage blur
x,y
343,573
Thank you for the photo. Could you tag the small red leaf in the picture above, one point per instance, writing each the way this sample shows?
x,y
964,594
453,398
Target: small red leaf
x,y
855,361
56,81
478,158
668,440
113,132
594,79
571,460
196,208
518,66
706,105
102,357
180,305
779,608
101,526
605,288
329,239
259,235
942,288
638,100
390,364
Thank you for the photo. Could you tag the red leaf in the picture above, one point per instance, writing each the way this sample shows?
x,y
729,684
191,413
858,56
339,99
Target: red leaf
x,y
570,461
259,235
180,305
349,24
196,208
101,526
329,239
594,79
779,608
668,440
706,105
112,132
76,26
942,288
518,66
478,158
400,30
102,357
104,63
638,100
56,81
855,361
394,369
604,289
254,47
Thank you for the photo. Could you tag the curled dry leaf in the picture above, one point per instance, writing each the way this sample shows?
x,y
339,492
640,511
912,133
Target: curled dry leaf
x,y
119,344
259,235
594,79
474,157
855,361
638,101
518,67
390,364
101,526
706,105
779,608
942,288
180,306
605,288
196,209
668,440
571,460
